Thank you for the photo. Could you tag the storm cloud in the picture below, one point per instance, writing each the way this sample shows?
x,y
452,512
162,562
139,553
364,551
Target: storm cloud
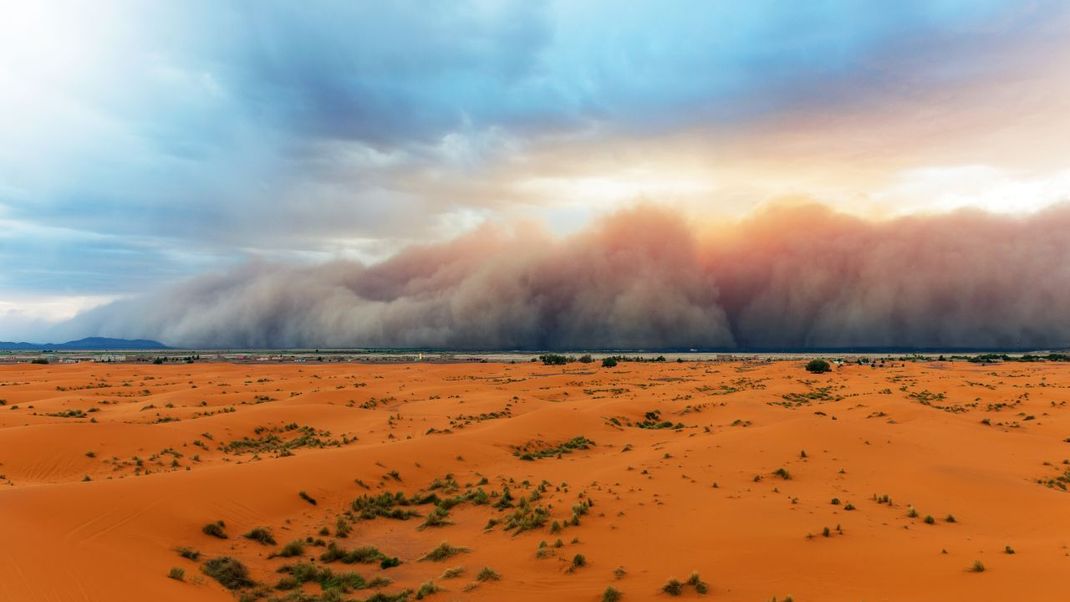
x,y
647,277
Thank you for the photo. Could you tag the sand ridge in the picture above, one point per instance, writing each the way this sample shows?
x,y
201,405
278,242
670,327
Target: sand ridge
x,y
764,479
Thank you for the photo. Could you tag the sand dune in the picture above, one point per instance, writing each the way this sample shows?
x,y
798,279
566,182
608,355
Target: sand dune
x,y
108,469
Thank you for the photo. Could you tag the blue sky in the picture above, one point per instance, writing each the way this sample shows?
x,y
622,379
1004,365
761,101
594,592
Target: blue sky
x,y
146,142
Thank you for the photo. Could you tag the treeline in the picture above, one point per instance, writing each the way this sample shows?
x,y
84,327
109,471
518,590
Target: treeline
x,y
986,358
557,359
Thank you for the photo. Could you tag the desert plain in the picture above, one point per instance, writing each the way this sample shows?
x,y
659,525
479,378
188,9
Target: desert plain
x,y
747,480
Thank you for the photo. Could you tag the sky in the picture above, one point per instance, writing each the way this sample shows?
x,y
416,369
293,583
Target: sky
x,y
149,145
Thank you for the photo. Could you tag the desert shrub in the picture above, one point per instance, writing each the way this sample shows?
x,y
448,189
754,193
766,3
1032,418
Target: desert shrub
x,y
426,589
609,362
696,582
442,552
439,517
673,587
611,595
330,582
361,555
385,505
188,553
176,573
294,548
1008,550
586,358
527,517
390,562
341,528
818,366
553,359
978,567
261,535
229,572
578,561
402,596
783,473
488,574
308,498
452,573
573,444
216,529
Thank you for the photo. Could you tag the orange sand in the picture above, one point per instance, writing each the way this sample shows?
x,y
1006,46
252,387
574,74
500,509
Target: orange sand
x,y
656,512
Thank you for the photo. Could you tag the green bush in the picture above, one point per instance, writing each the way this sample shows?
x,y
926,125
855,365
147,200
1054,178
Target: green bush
x,y
215,529
443,552
673,587
261,535
229,572
554,359
818,366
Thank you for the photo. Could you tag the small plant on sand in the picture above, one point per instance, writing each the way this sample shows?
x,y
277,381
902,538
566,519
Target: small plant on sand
x,y
673,587
443,552
294,548
261,535
216,529
439,517
308,498
361,555
188,553
176,573
696,582
426,589
929,520
818,366
950,518
1008,550
488,574
978,567
368,507
341,528
578,561
229,572
452,573
611,595
783,473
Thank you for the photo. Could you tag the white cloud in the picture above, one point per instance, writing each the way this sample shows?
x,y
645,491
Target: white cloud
x,y
946,188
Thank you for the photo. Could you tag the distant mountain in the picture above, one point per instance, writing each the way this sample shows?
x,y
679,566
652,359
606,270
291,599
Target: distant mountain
x,y
87,344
